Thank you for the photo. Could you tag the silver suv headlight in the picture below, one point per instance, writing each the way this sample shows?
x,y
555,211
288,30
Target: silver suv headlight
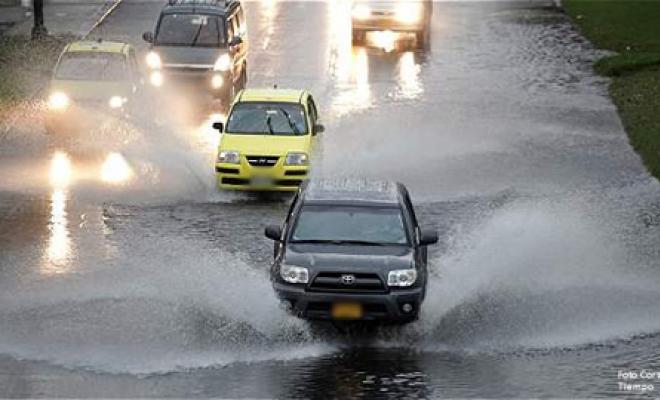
x,y
296,159
223,63
402,277
153,60
229,157
294,274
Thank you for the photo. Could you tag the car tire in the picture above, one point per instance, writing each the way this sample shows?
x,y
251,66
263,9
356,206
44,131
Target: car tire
x,y
359,37
423,38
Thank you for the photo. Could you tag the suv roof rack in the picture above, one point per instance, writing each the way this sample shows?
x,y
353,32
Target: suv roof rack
x,y
200,2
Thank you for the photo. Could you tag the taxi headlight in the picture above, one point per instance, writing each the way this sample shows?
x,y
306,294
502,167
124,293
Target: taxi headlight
x,y
153,60
408,12
116,102
217,81
296,159
156,78
402,277
58,101
229,157
361,11
222,63
293,274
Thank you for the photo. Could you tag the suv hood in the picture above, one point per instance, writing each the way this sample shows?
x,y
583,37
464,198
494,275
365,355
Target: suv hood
x,y
172,56
381,259
264,145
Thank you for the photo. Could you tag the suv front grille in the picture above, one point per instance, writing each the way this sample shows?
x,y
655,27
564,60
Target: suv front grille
x,y
335,282
262,161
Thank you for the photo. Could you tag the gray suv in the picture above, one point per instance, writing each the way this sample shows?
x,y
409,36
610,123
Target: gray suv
x,y
200,44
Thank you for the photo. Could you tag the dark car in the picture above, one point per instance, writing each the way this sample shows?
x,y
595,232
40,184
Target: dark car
x,y
346,254
200,44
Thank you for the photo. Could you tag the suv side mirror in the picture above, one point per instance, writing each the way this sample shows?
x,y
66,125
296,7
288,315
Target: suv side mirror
x,y
273,232
318,128
219,126
428,237
148,37
235,41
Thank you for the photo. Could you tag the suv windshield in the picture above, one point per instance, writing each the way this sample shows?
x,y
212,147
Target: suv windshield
x,y
193,30
255,118
90,66
361,225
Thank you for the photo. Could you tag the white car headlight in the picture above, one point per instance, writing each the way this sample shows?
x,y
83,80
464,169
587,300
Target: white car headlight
x,y
116,102
361,11
229,157
153,60
409,12
293,274
402,277
58,101
296,159
222,63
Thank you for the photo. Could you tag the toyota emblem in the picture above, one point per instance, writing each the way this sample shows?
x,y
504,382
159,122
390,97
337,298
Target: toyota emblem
x,y
348,279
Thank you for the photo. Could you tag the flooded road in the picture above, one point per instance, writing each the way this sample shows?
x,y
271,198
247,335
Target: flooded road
x,y
124,273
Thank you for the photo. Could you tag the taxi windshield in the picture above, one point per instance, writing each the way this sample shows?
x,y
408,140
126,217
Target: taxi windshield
x,y
268,118
192,30
92,66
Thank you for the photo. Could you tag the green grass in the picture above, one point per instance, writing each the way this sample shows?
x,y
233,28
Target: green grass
x,y
631,28
25,66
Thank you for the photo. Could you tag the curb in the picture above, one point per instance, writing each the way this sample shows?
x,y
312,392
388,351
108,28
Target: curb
x,y
111,6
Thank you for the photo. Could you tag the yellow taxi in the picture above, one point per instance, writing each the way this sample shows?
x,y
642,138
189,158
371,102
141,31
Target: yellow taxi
x,y
268,140
91,79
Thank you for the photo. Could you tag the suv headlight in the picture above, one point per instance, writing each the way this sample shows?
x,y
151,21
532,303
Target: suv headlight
x,y
58,101
153,60
296,159
293,274
222,63
402,277
409,12
116,102
229,157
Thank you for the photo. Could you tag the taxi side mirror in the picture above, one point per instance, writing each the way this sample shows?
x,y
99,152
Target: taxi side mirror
x,y
148,37
219,126
318,128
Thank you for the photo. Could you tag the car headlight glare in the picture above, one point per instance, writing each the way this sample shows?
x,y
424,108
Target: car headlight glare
x,y
153,60
408,12
217,81
222,63
229,157
156,78
293,274
296,159
58,101
402,277
116,102
361,11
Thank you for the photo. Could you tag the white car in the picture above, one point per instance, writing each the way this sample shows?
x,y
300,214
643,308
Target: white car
x,y
399,16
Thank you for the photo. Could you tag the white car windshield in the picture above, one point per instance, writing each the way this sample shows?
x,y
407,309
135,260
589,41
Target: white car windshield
x,y
92,66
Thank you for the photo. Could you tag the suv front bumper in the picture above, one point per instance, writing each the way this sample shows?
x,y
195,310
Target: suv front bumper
x,y
385,307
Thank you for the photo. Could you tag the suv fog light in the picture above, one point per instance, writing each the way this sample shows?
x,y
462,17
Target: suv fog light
x,y
407,308
217,81
156,78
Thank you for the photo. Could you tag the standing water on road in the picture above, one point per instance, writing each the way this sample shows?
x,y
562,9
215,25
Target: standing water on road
x,y
124,273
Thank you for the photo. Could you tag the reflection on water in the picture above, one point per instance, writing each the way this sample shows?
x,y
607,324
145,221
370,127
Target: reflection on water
x,y
410,85
115,169
269,11
58,252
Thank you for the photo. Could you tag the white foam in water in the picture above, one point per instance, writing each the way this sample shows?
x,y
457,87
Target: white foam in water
x,y
537,274
173,306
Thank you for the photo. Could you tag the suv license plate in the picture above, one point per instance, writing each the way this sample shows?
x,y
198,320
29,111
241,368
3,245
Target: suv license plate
x,y
347,311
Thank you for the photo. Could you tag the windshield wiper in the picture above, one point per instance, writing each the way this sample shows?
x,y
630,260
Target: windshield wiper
x,y
270,127
292,125
340,242
199,31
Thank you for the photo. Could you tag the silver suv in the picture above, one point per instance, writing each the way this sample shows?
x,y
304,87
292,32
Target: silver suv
x,y
200,43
